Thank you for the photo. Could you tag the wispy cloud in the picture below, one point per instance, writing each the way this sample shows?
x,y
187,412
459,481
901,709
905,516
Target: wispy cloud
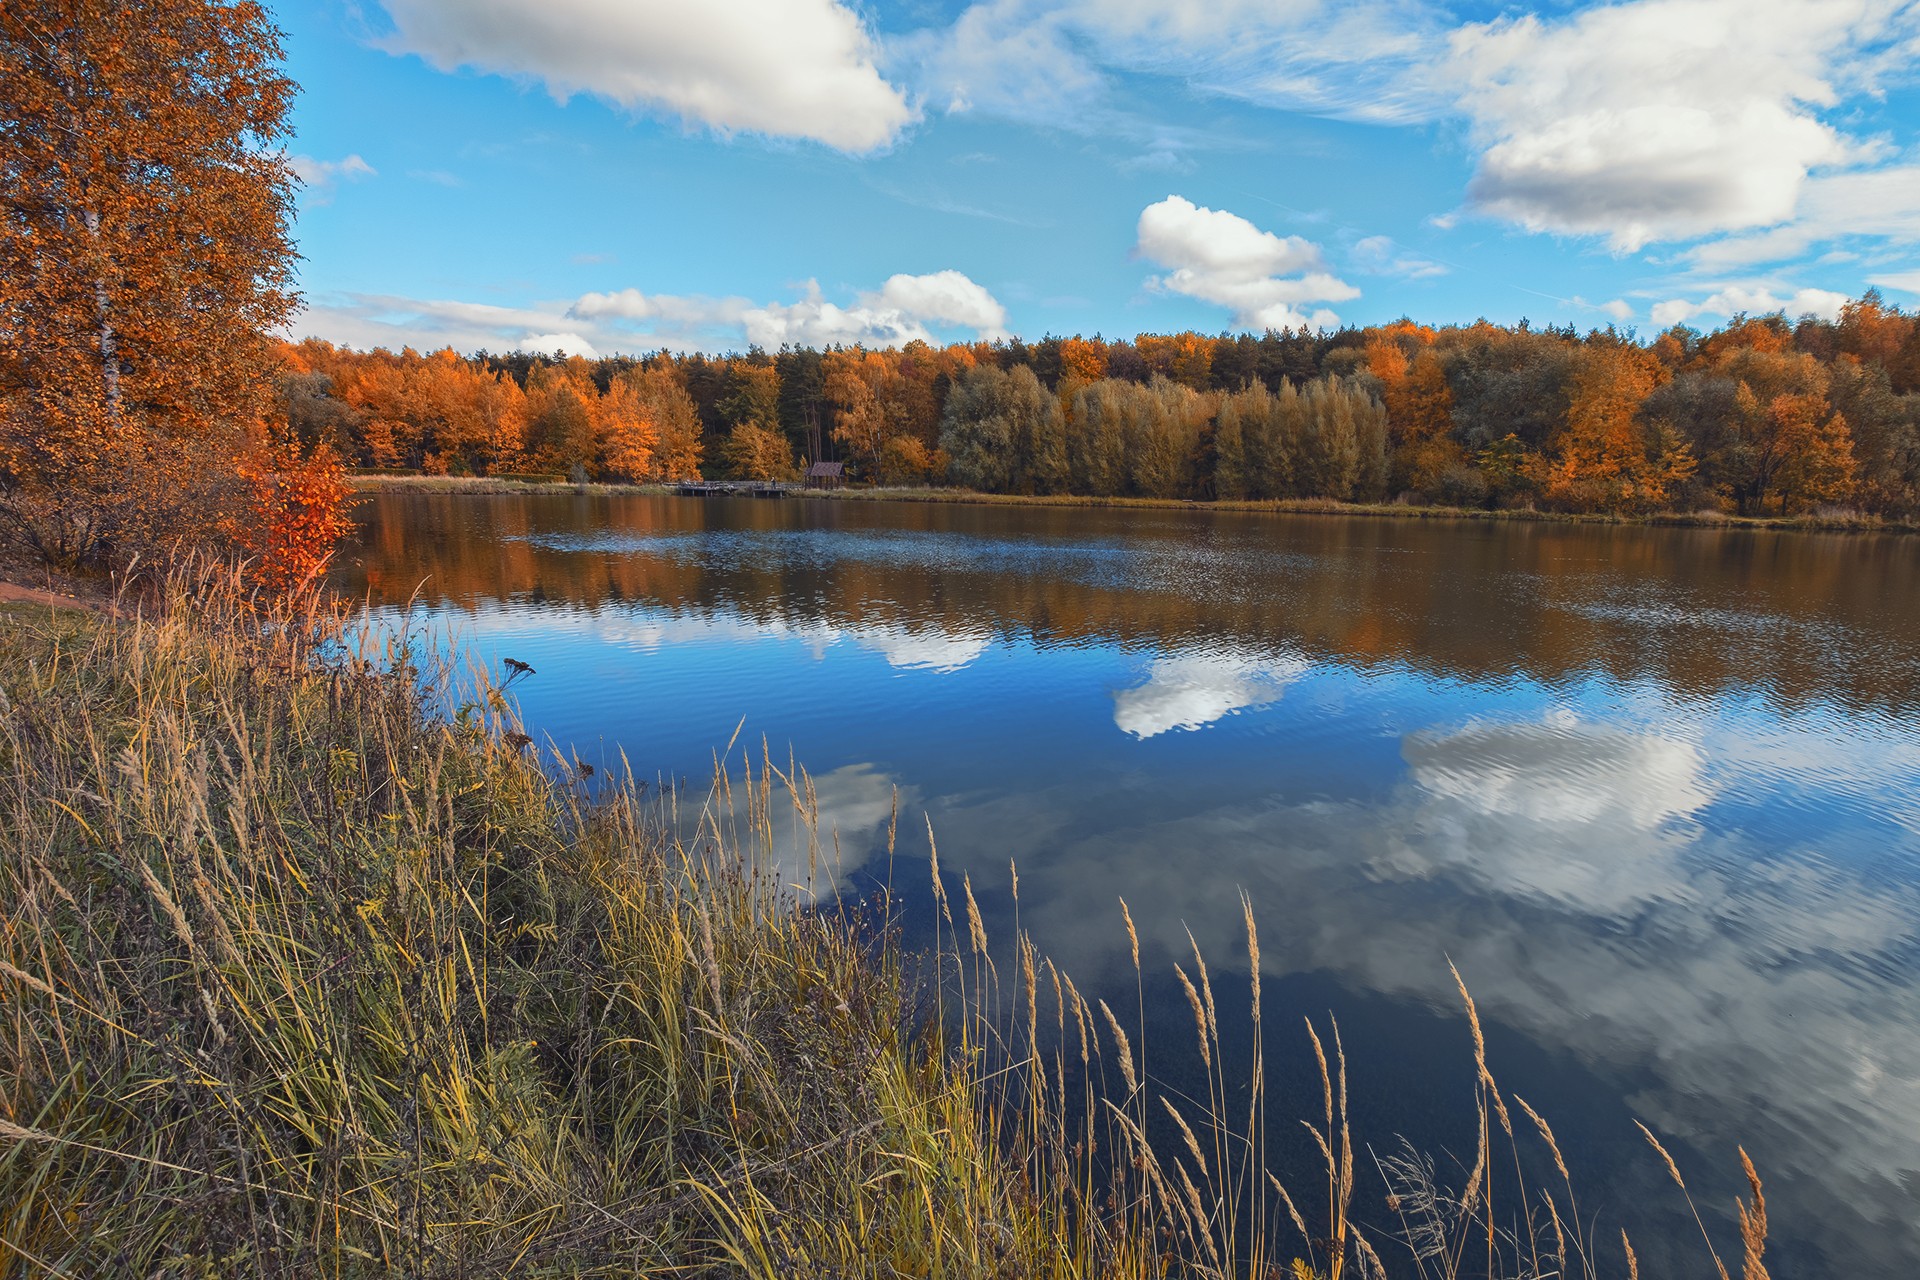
x,y
1380,256
321,177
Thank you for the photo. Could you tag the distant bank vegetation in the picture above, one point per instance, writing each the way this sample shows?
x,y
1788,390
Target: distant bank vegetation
x,y
1766,416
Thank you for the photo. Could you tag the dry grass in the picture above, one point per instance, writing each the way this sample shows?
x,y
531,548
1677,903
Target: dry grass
x,y
306,970
378,482
1824,520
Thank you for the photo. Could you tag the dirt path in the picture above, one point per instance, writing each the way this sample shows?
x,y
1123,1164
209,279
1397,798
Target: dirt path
x,y
12,593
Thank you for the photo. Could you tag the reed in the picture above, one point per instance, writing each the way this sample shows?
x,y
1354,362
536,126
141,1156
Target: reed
x,y
310,967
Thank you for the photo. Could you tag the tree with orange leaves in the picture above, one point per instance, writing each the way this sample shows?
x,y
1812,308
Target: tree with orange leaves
x,y
864,389
1082,360
1186,358
1603,458
1794,448
1873,332
1419,405
296,513
146,254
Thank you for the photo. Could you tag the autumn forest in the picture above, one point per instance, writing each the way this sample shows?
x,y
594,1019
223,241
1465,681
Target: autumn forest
x,y
1765,416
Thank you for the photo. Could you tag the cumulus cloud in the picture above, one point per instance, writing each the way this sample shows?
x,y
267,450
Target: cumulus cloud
x,y
1220,257
944,297
783,68
905,308
320,177
1751,300
1661,119
901,311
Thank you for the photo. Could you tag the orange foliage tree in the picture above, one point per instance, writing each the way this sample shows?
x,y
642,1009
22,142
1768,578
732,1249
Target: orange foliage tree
x,y
145,256
1082,360
296,512
863,386
1419,404
1186,358
1604,458
1796,451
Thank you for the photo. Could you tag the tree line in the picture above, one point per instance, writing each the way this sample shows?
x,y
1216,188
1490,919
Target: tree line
x,y
1765,415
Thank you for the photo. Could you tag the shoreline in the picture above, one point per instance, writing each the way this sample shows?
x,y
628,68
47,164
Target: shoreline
x,y
486,486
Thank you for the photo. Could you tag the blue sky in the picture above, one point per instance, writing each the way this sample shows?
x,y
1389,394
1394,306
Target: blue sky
x,y
621,175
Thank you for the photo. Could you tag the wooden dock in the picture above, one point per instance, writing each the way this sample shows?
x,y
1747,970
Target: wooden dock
x,y
734,489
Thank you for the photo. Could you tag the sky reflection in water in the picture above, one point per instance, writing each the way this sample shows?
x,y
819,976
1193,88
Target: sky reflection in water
x,y
1656,792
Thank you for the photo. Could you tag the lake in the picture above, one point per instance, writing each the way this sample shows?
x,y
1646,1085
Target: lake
x,y
1656,792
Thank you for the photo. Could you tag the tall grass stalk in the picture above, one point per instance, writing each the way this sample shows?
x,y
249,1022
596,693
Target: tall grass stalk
x,y
309,967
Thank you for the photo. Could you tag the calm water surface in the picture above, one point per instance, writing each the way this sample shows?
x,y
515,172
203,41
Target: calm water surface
x,y
1656,792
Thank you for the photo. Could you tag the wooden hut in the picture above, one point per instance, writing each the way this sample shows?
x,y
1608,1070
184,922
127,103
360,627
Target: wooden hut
x,y
826,475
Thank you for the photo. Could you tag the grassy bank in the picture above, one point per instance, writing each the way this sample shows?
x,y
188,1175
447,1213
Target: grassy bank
x,y
307,970
486,485
1833,522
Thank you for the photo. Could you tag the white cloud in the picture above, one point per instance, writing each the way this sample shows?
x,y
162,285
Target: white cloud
x,y
926,649
1561,770
1881,202
1905,281
1363,59
1663,119
900,312
1191,691
944,297
1644,121
1220,257
906,307
320,177
784,68
557,344
662,311
1752,300
368,320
